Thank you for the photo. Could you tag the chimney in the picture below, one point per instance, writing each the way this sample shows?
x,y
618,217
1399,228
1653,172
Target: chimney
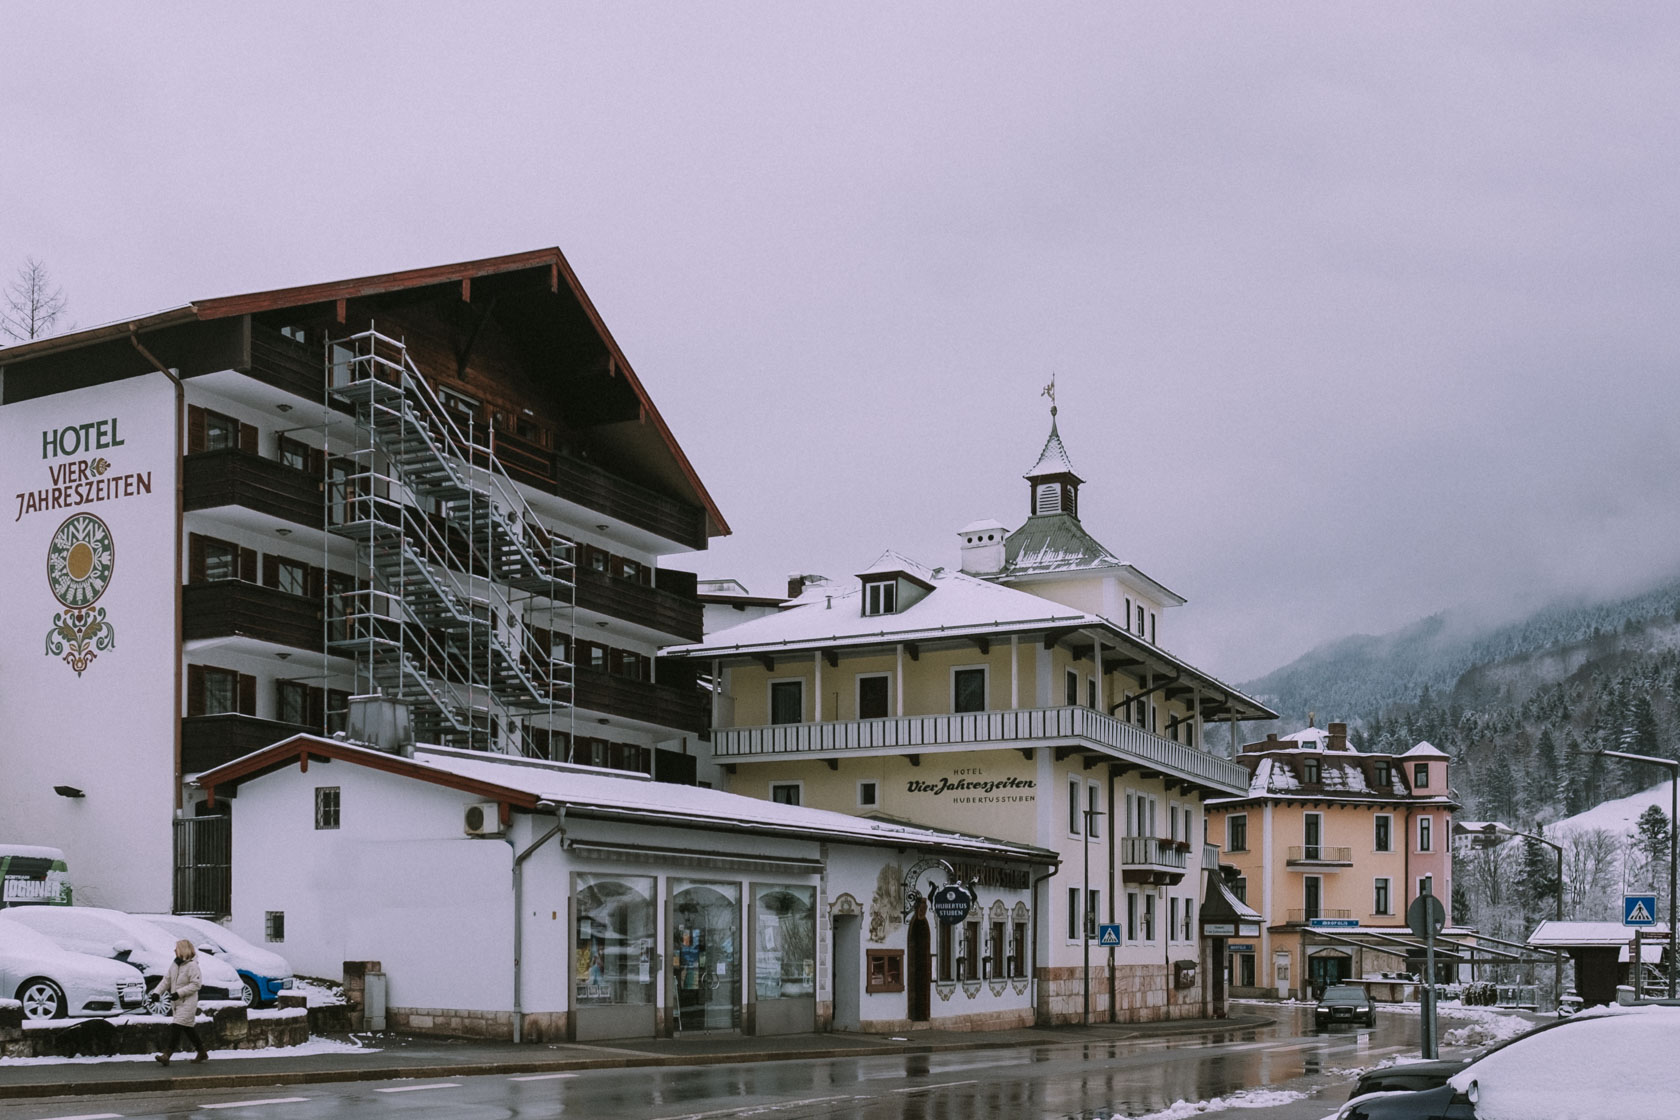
x,y
1338,737
981,547
381,722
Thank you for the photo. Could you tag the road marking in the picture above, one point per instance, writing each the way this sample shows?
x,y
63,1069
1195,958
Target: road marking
x,y
1290,1049
419,1088
88,1116
254,1104
754,1110
931,1088
542,1077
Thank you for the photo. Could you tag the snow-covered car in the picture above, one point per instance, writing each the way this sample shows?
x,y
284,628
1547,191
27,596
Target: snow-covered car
x,y
1609,1061
126,938
264,974
53,983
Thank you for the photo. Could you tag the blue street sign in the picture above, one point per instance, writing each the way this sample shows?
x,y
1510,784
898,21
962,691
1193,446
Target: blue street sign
x,y
1108,935
1333,923
1639,909
1245,947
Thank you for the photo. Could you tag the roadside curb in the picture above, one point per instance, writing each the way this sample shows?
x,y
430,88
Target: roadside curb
x,y
433,1072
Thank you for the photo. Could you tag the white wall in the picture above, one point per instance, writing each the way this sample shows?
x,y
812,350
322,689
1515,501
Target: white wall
x,y
110,731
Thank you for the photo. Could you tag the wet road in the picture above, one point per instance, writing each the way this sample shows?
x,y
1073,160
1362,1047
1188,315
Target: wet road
x,y
1088,1080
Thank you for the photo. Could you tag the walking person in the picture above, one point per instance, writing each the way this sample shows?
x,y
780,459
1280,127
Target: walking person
x,y
182,980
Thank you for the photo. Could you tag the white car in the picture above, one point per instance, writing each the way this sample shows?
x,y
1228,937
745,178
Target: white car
x,y
52,983
263,973
123,937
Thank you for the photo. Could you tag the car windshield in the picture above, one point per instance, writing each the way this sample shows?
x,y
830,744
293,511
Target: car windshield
x,y
1343,994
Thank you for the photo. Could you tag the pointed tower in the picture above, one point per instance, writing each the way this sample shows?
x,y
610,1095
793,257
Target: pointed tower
x,y
1054,487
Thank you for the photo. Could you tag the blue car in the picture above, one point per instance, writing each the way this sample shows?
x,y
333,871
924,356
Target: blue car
x,y
265,974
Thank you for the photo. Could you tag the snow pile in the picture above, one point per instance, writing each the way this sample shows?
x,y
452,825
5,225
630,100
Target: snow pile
x,y
1486,1027
320,993
313,1046
1614,1062
1244,1098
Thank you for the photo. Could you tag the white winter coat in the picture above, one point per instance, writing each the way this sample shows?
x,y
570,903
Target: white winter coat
x,y
183,980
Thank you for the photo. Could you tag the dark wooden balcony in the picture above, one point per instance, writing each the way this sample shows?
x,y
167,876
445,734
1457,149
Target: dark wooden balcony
x,y
209,741
286,363
683,707
237,478
233,608
657,607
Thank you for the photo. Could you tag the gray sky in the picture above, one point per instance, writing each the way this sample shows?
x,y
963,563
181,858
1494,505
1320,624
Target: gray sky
x,y
1357,311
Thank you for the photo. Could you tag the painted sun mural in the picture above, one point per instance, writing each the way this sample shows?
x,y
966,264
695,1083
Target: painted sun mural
x,y
81,558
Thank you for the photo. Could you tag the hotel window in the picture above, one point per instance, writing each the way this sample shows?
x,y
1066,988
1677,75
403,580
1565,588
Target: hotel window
x,y
1383,841
968,690
297,703
785,793
294,454
461,407
872,696
220,432
1152,628
290,576
1382,904
1140,620
221,559
1070,694
787,701
1310,772
1091,693
1073,917
1314,896
1420,774
219,691
880,597
1236,833
1189,825
1093,806
1073,807
868,794
1426,828
1128,612
1240,888
326,807
1380,775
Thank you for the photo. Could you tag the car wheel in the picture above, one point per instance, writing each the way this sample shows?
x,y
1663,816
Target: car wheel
x,y
159,1004
248,991
42,999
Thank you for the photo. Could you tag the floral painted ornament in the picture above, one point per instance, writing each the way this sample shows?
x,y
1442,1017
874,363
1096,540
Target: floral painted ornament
x,y
81,558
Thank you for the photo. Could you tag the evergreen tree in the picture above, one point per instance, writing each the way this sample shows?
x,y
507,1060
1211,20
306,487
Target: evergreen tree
x,y
1538,881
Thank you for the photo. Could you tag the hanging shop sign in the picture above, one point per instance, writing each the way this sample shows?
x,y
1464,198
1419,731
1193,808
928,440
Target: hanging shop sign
x,y
952,902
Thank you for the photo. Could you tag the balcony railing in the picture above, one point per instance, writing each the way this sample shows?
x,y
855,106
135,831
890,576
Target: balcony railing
x,y
655,607
233,608
1150,859
1210,857
238,478
1320,855
208,741
1300,917
1017,727
681,707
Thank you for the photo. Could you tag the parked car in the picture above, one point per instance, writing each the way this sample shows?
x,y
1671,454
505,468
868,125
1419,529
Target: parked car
x,y
264,974
1407,1077
1344,1003
52,983
123,937
1612,1062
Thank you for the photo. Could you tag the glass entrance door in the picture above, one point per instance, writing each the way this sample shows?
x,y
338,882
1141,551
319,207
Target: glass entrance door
x,y
706,955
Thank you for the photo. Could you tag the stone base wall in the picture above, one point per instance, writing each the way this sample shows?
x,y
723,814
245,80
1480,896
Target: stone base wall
x,y
452,1021
222,1026
1001,1020
1142,994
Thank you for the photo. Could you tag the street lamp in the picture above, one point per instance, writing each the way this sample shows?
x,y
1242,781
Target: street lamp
x,y
1086,914
1673,848
1493,832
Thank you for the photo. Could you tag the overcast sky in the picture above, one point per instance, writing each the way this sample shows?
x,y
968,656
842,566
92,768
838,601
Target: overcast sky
x,y
1356,311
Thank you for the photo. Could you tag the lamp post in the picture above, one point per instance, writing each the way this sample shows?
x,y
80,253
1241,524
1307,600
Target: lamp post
x,y
1086,913
1673,849
1492,833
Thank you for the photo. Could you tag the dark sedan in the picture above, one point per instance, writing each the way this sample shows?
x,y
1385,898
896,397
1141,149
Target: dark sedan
x,y
1344,1003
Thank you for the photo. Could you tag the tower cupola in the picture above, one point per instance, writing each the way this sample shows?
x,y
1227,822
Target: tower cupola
x,y
1054,485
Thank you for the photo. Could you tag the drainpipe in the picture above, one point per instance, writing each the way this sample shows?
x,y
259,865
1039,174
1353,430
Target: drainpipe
x,y
559,830
1037,916
180,522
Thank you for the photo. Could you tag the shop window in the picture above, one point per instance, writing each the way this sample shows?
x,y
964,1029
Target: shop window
x,y
885,971
873,696
995,960
947,951
615,940
274,925
787,701
1018,955
705,954
326,807
968,690
785,933
786,793
971,951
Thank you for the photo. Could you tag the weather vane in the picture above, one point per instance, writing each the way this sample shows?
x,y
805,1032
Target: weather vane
x,y
1050,391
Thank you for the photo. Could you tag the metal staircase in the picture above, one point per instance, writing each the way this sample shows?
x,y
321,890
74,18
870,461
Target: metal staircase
x,y
457,575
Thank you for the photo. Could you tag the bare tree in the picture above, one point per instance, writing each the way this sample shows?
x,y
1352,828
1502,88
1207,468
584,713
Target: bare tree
x,y
1591,858
32,303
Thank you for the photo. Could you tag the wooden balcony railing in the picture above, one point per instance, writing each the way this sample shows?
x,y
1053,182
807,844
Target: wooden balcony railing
x,y
1319,855
233,608
1017,727
1300,917
237,478
655,607
680,706
209,741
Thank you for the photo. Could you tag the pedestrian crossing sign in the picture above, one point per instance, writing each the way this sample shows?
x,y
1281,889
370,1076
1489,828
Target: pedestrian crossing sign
x,y
1639,909
1108,935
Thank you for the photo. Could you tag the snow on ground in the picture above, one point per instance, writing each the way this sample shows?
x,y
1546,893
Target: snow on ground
x,y
313,1046
1244,1098
1620,815
321,993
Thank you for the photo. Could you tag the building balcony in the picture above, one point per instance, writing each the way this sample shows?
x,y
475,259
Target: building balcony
x,y
286,363
229,477
677,706
1072,728
209,741
1210,857
1318,856
1150,859
659,607
1301,917
234,609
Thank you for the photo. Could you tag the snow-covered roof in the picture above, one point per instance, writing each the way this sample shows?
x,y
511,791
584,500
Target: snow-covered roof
x,y
891,563
1425,749
1054,542
592,791
983,525
1588,934
1053,459
1342,775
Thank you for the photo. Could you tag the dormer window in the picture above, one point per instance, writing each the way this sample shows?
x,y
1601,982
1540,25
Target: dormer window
x,y
1420,774
1381,773
880,597
1309,771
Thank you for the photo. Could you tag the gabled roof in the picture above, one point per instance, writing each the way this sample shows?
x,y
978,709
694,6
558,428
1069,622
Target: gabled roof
x,y
891,563
546,267
1053,460
590,792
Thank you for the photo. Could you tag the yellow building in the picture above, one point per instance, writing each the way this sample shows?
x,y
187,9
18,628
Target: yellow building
x,y
1024,695
1331,845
